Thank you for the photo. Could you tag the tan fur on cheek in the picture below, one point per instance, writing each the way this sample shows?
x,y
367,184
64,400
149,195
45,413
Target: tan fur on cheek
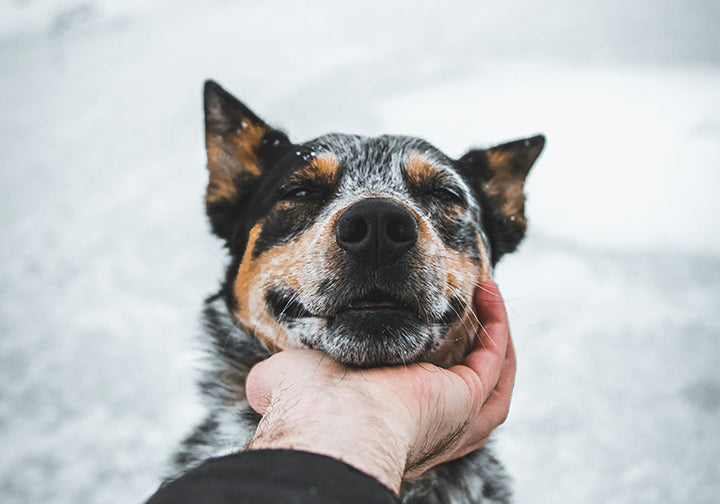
x,y
251,282
283,266
463,276
462,273
486,264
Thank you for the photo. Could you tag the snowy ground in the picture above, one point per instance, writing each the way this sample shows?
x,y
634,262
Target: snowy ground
x,y
105,255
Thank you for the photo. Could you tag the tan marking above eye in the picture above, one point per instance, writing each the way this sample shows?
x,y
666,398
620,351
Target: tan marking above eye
x,y
324,168
419,170
321,174
419,167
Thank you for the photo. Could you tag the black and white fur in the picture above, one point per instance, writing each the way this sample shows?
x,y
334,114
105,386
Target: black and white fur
x,y
293,282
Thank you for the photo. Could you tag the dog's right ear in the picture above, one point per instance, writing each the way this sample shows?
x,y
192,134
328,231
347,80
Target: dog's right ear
x,y
239,148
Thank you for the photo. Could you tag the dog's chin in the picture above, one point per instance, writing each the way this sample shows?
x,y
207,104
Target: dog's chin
x,y
376,336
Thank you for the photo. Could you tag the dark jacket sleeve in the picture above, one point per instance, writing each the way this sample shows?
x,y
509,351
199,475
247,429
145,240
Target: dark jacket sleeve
x,y
277,477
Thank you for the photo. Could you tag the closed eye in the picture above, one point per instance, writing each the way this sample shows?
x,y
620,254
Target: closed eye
x,y
448,195
301,193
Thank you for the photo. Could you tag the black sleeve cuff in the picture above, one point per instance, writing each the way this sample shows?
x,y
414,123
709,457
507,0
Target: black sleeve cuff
x,y
274,476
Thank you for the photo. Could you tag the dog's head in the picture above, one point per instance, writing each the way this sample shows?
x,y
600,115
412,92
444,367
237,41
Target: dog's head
x,y
368,249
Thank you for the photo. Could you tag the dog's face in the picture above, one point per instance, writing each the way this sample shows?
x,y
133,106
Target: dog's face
x,y
368,249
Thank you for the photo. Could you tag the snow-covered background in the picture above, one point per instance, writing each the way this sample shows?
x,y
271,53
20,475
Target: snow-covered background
x,y
105,255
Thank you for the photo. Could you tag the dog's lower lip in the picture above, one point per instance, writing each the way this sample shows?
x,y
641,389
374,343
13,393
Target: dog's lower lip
x,y
376,300
376,309
369,304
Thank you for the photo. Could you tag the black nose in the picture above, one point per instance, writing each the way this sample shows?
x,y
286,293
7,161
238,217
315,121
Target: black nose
x,y
376,231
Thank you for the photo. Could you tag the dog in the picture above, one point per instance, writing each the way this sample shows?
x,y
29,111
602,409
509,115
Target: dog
x,y
368,249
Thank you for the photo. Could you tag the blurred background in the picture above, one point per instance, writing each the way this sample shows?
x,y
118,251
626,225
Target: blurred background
x,y
105,254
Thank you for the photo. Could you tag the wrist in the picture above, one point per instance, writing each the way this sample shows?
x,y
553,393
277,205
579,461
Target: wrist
x,y
320,424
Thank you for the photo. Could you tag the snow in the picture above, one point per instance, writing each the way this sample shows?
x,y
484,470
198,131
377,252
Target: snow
x,y
624,144
105,254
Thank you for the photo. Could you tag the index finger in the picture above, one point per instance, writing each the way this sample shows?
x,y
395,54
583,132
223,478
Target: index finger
x,y
494,411
488,355
491,313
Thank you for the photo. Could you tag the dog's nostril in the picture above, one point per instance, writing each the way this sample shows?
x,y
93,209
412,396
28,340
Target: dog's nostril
x,y
353,230
401,230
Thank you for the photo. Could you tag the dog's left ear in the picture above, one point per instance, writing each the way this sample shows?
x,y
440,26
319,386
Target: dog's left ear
x,y
498,176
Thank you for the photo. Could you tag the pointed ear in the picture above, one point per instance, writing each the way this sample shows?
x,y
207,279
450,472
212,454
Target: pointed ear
x,y
498,175
239,145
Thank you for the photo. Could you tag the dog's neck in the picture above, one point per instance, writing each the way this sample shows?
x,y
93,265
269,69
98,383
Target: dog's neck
x,y
232,352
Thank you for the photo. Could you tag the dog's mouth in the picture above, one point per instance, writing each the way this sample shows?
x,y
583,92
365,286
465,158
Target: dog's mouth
x,y
377,300
371,328
285,304
377,311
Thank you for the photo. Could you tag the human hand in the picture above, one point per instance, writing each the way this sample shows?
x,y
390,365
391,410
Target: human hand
x,y
390,422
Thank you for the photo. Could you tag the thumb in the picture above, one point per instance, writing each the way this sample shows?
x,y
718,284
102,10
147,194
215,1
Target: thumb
x,y
282,370
260,383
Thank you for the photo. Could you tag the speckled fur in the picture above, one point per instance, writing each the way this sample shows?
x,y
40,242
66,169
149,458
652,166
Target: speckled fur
x,y
478,478
282,245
